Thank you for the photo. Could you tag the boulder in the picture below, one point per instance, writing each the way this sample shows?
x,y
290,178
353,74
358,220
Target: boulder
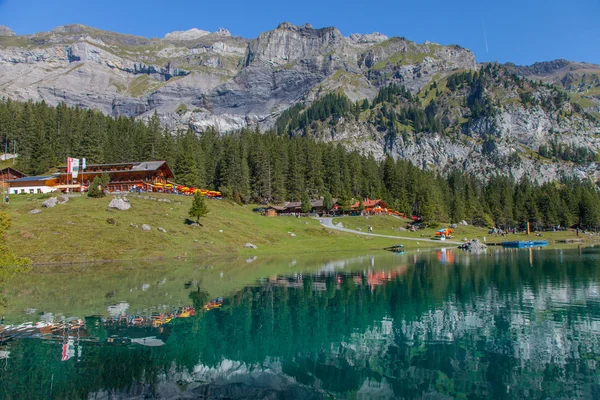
x,y
474,245
119,204
292,234
51,202
146,227
463,222
36,211
63,199
163,230
453,226
250,246
340,225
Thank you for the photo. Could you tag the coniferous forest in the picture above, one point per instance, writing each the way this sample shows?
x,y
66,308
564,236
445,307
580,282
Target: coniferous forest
x,y
275,166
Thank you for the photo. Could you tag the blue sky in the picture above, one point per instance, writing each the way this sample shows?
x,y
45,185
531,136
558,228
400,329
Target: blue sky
x,y
521,31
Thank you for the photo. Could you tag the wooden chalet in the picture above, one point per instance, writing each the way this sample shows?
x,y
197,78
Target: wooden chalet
x,y
151,176
295,207
273,211
9,173
373,207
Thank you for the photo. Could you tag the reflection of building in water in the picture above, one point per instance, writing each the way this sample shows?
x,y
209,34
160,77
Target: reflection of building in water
x,y
445,256
118,329
319,281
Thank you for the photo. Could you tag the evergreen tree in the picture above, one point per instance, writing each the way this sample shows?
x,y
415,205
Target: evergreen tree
x,y
361,206
199,208
328,201
305,205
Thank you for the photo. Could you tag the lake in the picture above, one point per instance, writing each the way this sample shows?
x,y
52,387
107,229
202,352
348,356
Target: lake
x,y
438,324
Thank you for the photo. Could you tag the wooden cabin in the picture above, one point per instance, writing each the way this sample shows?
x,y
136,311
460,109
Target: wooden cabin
x,y
273,211
151,176
377,206
295,207
9,173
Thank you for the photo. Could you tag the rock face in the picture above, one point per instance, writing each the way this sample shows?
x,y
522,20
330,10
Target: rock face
x,y
190,34
6,31
51,202
224,81
119,204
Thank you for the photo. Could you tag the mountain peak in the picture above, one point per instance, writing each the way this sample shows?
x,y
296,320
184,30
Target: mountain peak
x,y
292,27
71,28
194,33
6,31
374,37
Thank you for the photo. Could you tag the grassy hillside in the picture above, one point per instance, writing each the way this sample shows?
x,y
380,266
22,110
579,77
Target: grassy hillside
x,y
79,231
386,225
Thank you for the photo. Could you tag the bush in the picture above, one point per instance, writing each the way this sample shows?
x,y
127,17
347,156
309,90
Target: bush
x,y
96,189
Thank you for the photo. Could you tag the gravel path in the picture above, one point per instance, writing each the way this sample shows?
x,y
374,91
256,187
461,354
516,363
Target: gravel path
x,y
328,223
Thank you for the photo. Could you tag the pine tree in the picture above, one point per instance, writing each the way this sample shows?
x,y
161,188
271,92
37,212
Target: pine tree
x,y
361,206
199,208
306,205
328,201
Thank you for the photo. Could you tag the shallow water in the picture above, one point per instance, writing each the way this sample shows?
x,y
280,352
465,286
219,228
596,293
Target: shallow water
x,y
506,324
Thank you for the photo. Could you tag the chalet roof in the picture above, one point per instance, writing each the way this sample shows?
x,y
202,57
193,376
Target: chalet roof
x,y
32,178
125,167
135,166
148,166
313,203
8,169
370,203
277,208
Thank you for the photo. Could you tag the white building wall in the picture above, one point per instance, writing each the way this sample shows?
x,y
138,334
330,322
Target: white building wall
x,y
31,189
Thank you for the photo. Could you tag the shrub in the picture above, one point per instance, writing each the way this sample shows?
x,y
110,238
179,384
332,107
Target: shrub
x,y
96,189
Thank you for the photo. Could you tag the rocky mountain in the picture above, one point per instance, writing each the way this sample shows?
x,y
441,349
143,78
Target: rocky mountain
x,y
445,111
581,80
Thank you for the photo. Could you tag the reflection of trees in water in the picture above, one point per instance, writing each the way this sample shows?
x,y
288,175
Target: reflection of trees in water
x,y
498,328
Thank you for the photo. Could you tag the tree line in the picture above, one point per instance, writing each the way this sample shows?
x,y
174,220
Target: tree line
x,y
253,167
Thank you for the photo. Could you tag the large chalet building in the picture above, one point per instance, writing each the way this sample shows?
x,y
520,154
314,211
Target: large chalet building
x,y
148,176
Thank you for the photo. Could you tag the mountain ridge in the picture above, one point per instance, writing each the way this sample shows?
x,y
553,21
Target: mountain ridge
x,y
197,79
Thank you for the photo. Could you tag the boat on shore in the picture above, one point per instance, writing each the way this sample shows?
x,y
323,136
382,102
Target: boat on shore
x,y
525,243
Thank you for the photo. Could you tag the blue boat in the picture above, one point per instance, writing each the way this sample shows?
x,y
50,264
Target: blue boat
x,y
525,243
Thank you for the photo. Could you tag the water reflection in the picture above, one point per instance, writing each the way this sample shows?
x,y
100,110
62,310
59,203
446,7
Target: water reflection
x,y
506,324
